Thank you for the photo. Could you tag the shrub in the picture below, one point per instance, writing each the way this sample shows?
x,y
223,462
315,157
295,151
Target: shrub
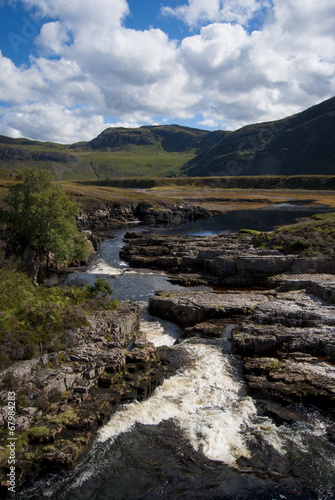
x,y
101,286
307,239
39,435
33,319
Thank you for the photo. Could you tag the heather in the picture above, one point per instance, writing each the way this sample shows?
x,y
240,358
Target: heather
x,y
306,239
40,319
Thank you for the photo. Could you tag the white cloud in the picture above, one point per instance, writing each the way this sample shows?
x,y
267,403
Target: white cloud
x,y
19,84
196,12
90,66
51,122
80,13
53,37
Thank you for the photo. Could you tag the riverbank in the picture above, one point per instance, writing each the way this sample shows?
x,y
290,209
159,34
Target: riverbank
x,y
61,399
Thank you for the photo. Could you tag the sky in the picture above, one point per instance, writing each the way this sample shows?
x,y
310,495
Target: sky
x,y
71,68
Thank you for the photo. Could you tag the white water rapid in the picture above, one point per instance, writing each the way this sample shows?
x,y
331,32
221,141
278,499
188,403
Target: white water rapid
x,y
206,398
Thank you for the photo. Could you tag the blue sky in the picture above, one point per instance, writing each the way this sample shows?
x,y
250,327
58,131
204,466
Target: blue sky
x,y
70,68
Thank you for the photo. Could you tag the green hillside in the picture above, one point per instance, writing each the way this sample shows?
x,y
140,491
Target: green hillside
x,y
116,152
302,144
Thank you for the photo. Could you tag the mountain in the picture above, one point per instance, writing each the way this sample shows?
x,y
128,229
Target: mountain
x,y
301,144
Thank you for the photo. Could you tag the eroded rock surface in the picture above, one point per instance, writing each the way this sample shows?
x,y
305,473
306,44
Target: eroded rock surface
x,y
288,345
186,308
229,260
286,339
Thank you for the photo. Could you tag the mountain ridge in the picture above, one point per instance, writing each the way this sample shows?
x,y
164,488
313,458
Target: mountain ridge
x,y
300,144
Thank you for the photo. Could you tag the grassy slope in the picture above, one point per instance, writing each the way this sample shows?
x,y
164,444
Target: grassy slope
x,y
84,163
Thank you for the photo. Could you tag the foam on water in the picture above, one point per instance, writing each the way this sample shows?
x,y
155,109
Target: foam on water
x,y
102,267
160,332
204,399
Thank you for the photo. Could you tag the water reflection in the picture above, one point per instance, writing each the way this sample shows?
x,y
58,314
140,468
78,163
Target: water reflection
x,y
263,219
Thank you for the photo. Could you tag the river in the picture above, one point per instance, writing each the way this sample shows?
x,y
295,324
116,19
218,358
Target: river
x,y
200,435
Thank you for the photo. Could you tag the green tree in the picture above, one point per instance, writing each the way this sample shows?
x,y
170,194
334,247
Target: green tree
x,y
42,216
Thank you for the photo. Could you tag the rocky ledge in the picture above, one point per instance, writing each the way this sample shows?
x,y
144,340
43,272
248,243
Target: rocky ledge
x,y
103,219
223,260
62,398
286,339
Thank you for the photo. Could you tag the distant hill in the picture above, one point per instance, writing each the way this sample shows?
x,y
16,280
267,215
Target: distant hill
x,y
171,138
301,144
148,151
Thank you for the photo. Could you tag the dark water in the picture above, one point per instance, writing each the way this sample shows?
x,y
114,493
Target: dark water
x,y
126,283
200,435
263,219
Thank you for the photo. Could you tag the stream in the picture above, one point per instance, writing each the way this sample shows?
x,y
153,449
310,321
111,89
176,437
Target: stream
x,y
200,435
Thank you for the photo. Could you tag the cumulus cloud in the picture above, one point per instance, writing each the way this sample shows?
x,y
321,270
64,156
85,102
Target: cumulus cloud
x,y
52,122
228,70
196,12
265,74
83,14
18,85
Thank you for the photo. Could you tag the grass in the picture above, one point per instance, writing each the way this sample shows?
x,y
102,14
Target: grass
x,y
132,161
39,433
64,417
137,161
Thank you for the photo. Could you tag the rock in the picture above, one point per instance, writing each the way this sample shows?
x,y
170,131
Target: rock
x,y
289,380
280,413
325,290
208,329
188,308
104,218
269,340
295,309
288,349
224,259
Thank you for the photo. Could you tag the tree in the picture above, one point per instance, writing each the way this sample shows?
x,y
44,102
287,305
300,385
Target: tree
x,y
42,216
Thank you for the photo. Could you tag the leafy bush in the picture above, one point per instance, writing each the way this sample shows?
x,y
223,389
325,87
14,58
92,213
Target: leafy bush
x,y
101,286
33,319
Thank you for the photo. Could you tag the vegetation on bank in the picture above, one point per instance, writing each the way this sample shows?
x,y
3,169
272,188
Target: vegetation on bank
x,y
306,239
94,197
40,319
